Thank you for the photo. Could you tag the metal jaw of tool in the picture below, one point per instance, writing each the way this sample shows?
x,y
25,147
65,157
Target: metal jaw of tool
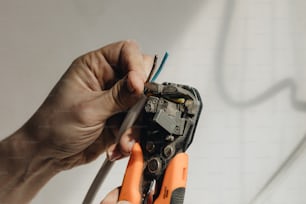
x,y
168,121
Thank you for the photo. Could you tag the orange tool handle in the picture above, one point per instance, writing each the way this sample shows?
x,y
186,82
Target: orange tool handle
x,y
131,185
174,182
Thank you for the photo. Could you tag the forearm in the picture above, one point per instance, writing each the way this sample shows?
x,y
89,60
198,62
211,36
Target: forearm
x,y
23,169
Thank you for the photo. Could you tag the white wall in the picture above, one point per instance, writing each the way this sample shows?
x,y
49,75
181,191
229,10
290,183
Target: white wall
x,y
233,51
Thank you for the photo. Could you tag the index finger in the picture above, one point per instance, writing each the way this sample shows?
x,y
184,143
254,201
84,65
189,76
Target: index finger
x,y
126,58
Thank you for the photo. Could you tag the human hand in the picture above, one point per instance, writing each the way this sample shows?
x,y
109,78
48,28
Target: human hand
x,y
70,126
76,122
112,198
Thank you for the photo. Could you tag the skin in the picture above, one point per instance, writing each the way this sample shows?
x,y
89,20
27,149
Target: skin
x,y
112,198
77,121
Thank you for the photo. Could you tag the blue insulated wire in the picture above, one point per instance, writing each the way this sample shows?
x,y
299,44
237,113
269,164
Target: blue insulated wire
x,y
160,67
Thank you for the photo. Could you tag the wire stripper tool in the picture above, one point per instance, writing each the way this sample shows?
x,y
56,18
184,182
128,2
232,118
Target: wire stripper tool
x,y
157,170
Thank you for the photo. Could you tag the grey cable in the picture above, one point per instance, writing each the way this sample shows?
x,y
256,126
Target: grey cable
x,y
97,182
128,122
280,172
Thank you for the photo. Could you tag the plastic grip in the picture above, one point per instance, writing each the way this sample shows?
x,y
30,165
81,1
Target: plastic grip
x,y
177,196
174,182
131,185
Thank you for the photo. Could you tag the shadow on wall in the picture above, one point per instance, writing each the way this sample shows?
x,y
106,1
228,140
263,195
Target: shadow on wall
x,y
282,85
287,83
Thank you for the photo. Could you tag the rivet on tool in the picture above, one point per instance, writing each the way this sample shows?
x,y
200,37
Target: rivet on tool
x,y
169,151
150,146
154,165
170,138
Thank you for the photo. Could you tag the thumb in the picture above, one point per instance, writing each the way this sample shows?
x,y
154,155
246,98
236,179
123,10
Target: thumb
x,y
117,99
123,202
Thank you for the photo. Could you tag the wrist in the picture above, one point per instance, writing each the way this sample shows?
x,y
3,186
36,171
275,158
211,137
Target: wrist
x,y
24,170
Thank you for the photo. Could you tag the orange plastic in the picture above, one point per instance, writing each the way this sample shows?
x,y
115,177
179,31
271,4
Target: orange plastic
x,y
175,177
131,185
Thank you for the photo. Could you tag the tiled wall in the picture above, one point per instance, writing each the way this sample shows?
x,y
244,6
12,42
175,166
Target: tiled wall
x,y
247,58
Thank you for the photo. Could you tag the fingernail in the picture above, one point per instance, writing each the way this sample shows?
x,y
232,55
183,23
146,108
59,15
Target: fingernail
x,y
131,144
130,87
123,202
113,156
109,154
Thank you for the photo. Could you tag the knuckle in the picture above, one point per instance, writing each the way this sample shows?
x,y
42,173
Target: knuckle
x,y
83,113
130,43
118,98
